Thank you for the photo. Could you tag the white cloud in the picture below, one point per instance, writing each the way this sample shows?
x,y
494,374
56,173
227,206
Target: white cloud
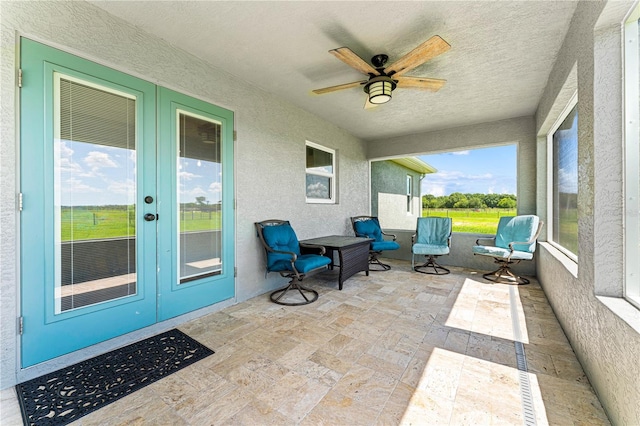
x,y
190,195
98,160
67,165
484,176
61,150
77,186
122,187
187,176
568,181
446,182
461,153
317,190
215,187
436,190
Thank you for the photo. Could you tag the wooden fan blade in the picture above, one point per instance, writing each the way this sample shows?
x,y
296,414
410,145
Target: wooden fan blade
x,y
433,84
347,56
418,56
338,87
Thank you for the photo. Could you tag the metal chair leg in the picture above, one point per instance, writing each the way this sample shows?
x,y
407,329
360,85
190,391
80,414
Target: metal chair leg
x,y
379,266
307,294
504,275
431,263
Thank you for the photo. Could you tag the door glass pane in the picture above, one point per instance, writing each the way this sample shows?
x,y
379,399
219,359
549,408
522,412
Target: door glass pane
x,y
94,195
199,197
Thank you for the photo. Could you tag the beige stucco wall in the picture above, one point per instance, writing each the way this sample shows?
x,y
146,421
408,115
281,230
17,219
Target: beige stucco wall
x,y
603,329
388,195
270,148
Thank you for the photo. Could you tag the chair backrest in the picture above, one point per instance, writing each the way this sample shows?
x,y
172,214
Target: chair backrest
x,y
433,230
518,228
278,235
367,226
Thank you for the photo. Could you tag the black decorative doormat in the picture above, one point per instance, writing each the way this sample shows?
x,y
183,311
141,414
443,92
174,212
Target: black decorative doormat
x,y
65,395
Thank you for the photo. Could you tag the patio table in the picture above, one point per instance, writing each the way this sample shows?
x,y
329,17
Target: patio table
x,y
353,253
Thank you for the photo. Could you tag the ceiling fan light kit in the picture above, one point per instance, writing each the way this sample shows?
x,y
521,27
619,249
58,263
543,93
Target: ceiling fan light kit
x,y
379,89
382,81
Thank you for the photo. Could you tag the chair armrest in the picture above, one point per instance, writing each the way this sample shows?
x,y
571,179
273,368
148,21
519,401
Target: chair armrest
x,y
531,241
485,239
512,243
321,249
389,235
413,239
294,256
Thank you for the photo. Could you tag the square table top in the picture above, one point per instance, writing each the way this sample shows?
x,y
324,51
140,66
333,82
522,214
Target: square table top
x,y
337,241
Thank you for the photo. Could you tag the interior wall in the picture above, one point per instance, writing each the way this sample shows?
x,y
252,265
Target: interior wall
x,y
604,330
269,151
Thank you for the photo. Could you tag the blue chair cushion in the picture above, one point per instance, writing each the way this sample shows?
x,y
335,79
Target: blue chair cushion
x,y
501,253
433,231
434,249
517,228
384,245
282,238
303,264
370,229
309,262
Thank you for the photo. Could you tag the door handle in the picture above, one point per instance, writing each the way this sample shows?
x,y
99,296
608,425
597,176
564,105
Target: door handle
x,y
149,217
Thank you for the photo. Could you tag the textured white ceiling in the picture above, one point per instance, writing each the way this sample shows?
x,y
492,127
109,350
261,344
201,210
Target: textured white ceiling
x,y
501,53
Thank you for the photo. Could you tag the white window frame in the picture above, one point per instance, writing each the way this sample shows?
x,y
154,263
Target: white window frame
x,y
332,176
632,159
565,112
409,194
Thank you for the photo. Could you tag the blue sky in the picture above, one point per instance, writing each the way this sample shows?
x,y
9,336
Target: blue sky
x,y
97,175
485,171
93,175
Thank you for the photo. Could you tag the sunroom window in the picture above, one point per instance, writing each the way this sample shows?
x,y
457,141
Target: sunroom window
x,y
632,159
563,141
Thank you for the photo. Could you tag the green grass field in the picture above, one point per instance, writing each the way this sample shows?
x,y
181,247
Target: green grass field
x,y
475,221
90,224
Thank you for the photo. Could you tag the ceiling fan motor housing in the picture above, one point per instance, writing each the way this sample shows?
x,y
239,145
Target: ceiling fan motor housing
x,y
379,61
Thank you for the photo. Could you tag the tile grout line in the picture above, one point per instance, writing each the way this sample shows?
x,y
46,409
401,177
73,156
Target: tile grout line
x,y
528,410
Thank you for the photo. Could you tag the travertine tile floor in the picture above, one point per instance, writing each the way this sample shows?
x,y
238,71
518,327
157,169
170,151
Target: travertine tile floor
x,y
397,347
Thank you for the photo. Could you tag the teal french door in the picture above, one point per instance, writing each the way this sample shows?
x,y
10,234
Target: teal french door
x,y
126,203
195,193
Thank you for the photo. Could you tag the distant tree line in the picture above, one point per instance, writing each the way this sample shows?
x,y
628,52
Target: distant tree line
x,y
109,207
458,200
201,204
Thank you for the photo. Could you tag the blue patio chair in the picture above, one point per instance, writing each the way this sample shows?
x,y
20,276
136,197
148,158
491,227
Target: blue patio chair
x,y
432,239
515,240
369,227
284,255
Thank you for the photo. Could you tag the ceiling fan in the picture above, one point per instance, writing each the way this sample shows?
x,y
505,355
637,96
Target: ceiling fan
x,y
383,80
